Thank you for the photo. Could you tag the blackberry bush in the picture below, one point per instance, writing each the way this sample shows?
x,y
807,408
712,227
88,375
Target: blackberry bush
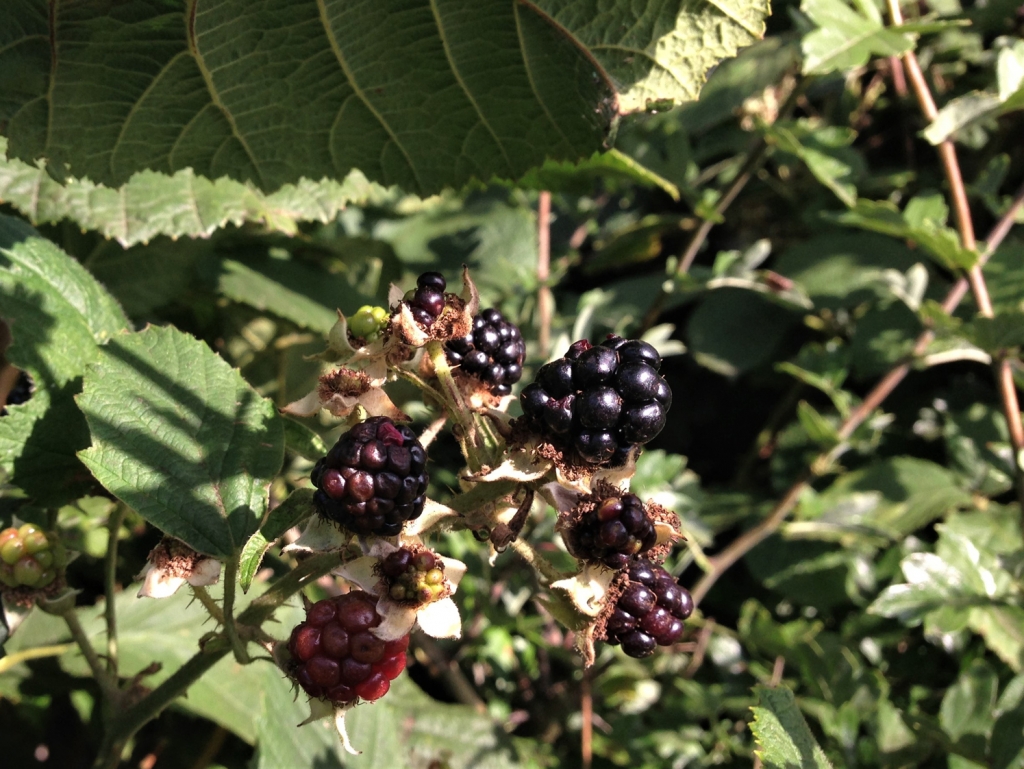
x,y
612,531
599,402
492,352
374,478
27,558
336,657
649,612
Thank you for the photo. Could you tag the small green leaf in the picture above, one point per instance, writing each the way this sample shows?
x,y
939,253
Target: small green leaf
x,y
845,39
303,441
818,428
783,737
292,512
967,707
602,167
179,436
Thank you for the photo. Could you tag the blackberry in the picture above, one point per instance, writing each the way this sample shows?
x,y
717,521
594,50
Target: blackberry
x,y
335,657
427,300
20,393
415,577
373,480
492,352
599,402
616,529
27,558
649,612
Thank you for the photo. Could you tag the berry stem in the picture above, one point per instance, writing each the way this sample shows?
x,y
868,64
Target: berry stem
x,y
106,681
546,572
230,580
204,597
456,406
110,584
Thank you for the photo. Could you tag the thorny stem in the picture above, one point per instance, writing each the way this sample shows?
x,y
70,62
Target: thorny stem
x,y
536,561
587,713
123,725
756,156
230,630
106,681
545,299
975,276
208,603
110,585
750,539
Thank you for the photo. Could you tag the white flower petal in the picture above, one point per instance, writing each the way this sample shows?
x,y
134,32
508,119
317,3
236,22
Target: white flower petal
x,y
304,407
665,533
440,619
207,572
561,498
519,467
396,620
588,589
318,711
157,583
454,571
360,573
433,513
320,536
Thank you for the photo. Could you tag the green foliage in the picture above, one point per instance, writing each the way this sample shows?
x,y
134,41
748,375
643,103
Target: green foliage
x,y
782,734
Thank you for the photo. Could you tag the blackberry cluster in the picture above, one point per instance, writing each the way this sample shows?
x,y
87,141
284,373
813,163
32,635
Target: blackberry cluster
x,y
27,558
615,530
650,611
492,352
374,478
20,393
335,657
413,577
426,301
600,400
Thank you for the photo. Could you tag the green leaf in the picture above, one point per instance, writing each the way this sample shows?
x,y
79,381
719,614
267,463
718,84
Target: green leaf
x,y
967,707
783,737
939,241
292,512
1001,334
178,204
303,441
180,437
1002,627
422,95
825,151
603,168
58,315
308,297
818,428
845,39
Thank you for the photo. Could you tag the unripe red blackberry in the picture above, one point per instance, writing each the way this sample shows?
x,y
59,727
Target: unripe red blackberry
x,y
492,352
599,402
614,530
374,478
28,558
649,612
426,301
335,657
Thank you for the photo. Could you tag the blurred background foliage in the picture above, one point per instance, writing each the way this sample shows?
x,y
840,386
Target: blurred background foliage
x,y
890,601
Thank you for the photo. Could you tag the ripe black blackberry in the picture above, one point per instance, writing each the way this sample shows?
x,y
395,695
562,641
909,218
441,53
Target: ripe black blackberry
x,y
492,352
426,301
600,401
20,393
373,480
615,530
649,612
335,657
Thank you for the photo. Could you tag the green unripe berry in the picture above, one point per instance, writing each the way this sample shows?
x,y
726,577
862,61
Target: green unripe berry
x,y
27,530
7,534
44,557
35,542
48,576
12,550
28,572
397,592
434,577
7,575
367,321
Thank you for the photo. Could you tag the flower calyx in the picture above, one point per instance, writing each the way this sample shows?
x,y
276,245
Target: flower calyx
x,y
171,564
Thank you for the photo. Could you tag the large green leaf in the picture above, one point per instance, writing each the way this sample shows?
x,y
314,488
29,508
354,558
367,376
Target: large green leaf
x,y
181,438
58,316
424,95
178,204
783,737
847,38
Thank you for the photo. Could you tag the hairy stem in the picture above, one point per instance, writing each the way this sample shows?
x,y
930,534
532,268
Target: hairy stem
x,y
456,406
204,597
230,629
537,562
110,585
106,681
545,299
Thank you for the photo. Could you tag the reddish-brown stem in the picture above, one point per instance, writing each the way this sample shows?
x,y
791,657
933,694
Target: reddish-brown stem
x,y
545,299
747,541
587,727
